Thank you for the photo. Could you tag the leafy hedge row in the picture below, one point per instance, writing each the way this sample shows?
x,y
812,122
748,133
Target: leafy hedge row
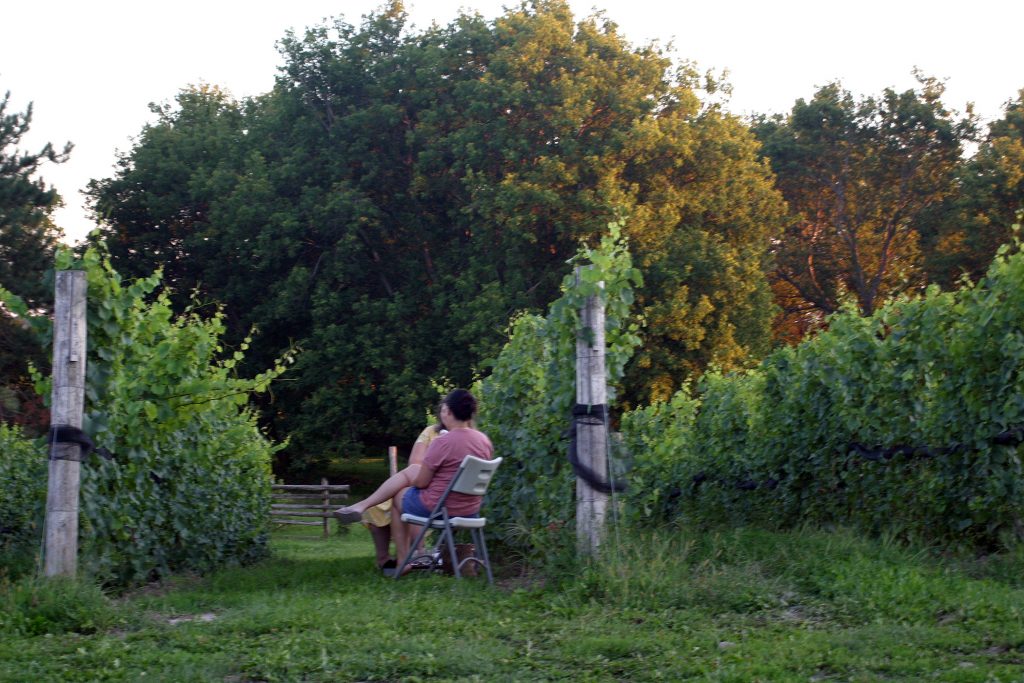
x,y
943,373
189,485
22,498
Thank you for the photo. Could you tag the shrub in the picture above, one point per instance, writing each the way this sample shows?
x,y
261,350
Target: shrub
x,y
188,487
23,493
887,423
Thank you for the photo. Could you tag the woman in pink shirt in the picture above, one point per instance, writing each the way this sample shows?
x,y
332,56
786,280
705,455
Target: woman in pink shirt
x,y
418,488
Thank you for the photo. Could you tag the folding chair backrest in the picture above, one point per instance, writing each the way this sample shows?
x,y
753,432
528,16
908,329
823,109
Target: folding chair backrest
x,y
475,475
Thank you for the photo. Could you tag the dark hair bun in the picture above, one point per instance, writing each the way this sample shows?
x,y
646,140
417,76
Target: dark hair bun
x,y
462,404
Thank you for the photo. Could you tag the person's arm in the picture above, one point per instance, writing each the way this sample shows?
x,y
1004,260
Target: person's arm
x,y
423,441
431,462
423,477
419,449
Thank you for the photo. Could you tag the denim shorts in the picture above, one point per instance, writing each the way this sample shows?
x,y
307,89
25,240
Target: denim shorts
x,y
412,505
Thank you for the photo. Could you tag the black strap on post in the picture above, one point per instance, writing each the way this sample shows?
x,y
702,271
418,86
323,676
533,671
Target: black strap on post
x,y
61,434
595,414
68,434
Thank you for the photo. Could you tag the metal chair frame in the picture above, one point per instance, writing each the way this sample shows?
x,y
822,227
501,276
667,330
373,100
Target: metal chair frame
x,y
473,477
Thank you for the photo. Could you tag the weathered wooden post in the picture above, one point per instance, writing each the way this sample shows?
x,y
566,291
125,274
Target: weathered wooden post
x,y
68,397
392,460
591,435
326,506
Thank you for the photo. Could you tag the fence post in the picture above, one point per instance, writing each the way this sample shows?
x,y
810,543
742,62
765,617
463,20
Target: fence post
x,y
327,506
67,404
392,460
591,441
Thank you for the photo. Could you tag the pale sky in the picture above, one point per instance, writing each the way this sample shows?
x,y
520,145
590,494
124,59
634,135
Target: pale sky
x,y
91,68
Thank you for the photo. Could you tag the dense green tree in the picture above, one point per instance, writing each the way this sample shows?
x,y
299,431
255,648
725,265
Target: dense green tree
x,y
398,196
159,203
702,227
27,240
858,176
970,227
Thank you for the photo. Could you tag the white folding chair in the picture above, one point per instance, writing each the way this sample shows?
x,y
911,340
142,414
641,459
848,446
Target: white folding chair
x,y
472,478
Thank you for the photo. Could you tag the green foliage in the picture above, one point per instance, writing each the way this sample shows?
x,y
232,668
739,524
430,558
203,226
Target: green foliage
x,y
963,233
944,372
859,177
189,486
670,604
526,401
659,438
35,606
400,194
27,237
23,492
27,241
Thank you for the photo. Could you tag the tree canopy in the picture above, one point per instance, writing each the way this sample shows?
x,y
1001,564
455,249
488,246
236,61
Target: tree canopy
x,y
399,195
964,233
859,177
27,240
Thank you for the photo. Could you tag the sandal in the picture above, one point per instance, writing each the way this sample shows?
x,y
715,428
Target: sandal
x,y
420,563
423,562
347,515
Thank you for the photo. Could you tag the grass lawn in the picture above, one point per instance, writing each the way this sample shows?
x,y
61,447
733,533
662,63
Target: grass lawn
x,y
740,605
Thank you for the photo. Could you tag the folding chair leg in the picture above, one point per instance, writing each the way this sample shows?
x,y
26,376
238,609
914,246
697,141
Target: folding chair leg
x,y
481,545
448,539
412,551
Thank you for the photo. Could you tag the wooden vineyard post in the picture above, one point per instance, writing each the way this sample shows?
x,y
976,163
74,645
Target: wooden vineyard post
x,y
392,460
68,397
591,435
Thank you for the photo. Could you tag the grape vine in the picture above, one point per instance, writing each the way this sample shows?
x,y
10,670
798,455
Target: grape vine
x,y
783,444
189,486
526,400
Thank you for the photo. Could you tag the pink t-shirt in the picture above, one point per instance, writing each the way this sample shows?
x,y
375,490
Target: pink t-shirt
x,y
444,456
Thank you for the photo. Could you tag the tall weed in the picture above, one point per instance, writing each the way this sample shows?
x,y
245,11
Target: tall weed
x,y
35,606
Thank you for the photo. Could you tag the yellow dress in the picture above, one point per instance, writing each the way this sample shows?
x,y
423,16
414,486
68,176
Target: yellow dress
x,y
380,515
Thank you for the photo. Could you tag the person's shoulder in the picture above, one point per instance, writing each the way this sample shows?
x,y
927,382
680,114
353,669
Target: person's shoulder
x,y
428,434
480,437
438,449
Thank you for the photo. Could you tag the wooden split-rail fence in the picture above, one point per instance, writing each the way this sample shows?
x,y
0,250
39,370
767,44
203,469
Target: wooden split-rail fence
x,y
297,503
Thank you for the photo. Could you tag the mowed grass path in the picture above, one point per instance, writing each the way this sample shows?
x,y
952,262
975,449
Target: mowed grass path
x,y
738,605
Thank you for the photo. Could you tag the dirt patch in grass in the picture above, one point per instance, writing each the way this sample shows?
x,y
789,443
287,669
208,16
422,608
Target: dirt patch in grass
x,y
205,617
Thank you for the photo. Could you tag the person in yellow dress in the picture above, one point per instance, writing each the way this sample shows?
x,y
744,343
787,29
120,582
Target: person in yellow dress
x,y
432,475
378,519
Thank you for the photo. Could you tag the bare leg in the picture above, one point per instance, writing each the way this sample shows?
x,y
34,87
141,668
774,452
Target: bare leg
x,y
389,489
399,529
381,542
